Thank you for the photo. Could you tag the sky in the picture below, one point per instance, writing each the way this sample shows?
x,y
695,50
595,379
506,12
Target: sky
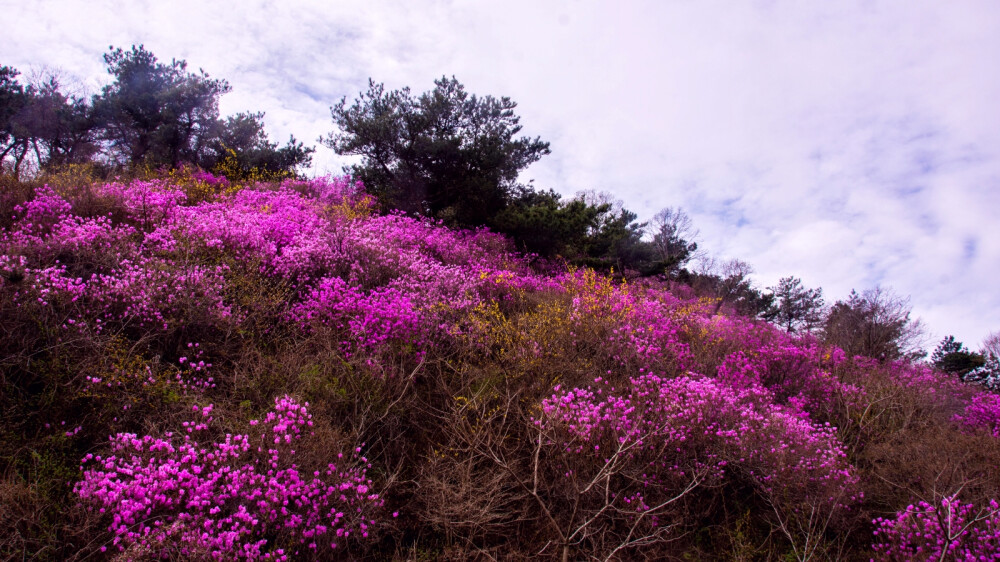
x,y
850,143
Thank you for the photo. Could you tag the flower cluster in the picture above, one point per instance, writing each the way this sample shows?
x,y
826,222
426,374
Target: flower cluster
x,y
796,374
367,321
694,423
241,496
983,412
948,530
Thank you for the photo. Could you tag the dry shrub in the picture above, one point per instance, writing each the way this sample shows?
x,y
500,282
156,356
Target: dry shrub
x,y
896,399
35,527
12,194
929,463
469,501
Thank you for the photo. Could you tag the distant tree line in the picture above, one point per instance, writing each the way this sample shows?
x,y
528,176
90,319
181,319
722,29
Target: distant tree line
x,y
152,114
976,367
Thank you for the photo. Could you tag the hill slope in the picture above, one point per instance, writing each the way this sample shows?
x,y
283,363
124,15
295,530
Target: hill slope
x,y
194,369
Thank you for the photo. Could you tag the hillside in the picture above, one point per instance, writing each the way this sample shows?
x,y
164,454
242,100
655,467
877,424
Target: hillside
x,y
193,369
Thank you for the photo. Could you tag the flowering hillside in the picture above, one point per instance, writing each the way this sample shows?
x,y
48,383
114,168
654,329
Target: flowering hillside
x,y
198,370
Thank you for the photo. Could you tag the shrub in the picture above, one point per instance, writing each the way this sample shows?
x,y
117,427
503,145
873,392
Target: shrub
x,y
242,495
944,530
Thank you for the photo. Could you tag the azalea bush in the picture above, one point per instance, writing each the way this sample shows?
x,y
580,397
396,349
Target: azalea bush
x,y
945,530
637,453
241,496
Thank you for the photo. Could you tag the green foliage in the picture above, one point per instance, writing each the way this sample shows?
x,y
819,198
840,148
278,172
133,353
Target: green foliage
x,y
41,126
155,113
617,239
947,346
951,356
541,223
797,308
445,154
10,92
12,99
755,303
242,151
585,230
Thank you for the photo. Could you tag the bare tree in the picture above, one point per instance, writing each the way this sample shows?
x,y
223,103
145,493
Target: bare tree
x,y
726,281
806,524
991,346
674,237
875,323
598,198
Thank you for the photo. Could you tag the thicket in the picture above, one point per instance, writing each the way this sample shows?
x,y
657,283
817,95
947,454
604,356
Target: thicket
x,y
194,367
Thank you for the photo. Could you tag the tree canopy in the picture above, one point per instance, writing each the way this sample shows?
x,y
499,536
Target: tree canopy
x,y
446,153
797,308
951,356
157,113
152,114
242,150
40,124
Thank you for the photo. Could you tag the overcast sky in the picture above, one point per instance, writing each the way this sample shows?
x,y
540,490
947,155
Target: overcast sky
x,y
848,143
